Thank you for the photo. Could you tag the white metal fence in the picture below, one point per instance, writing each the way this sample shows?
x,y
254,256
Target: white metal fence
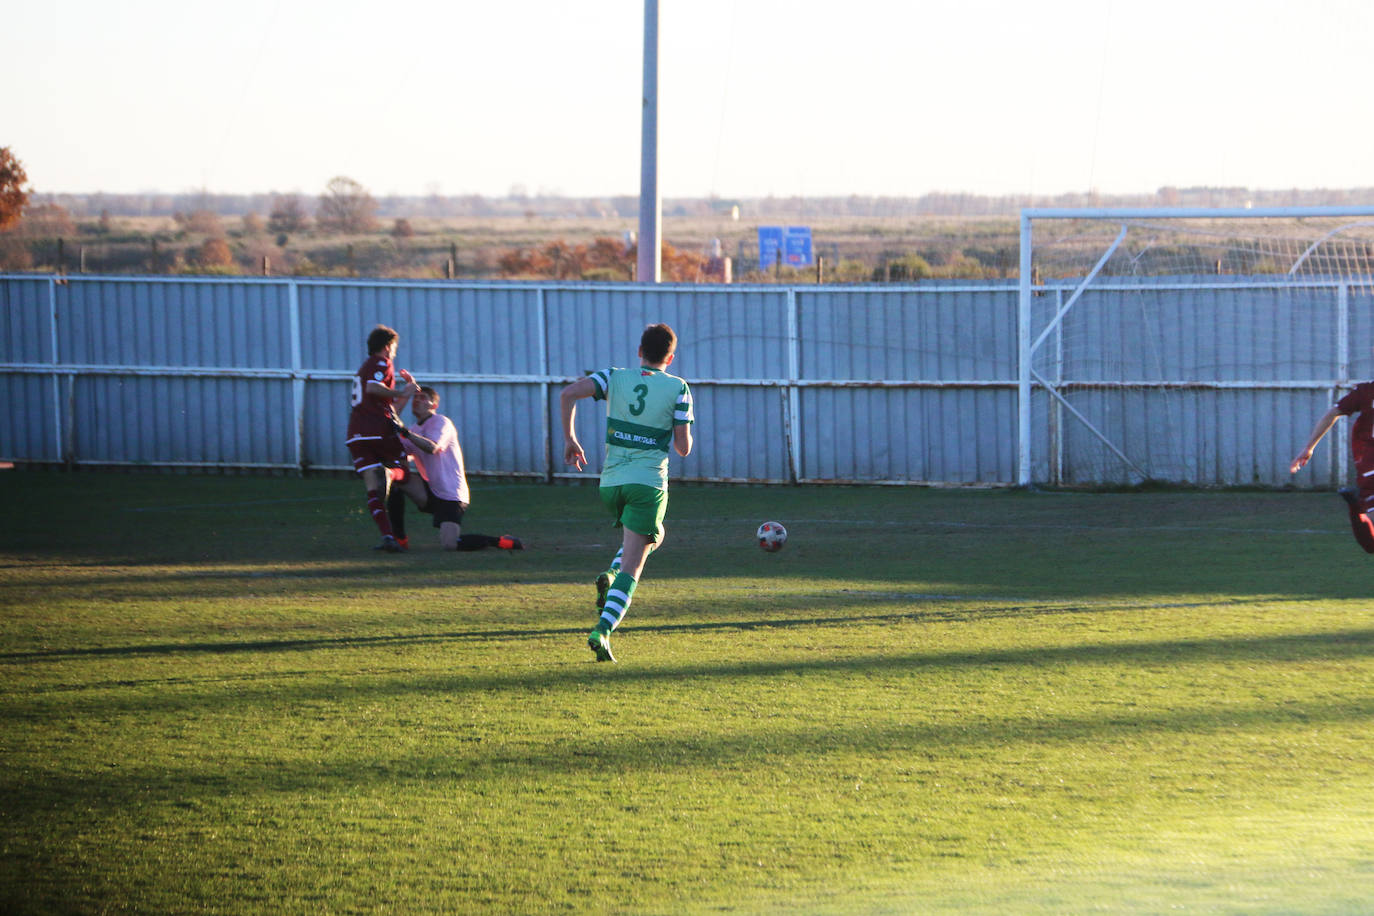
x,y
904,385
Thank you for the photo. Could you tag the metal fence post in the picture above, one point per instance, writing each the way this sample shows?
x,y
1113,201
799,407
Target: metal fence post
x,y
293,306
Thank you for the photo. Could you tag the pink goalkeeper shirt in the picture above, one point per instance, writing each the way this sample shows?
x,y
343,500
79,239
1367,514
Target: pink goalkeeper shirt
x,y
443,470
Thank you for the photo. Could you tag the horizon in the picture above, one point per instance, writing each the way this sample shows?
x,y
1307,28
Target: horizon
x,y
1010,195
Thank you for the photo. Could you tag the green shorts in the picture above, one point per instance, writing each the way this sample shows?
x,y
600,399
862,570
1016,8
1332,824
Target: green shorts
x,y
637,507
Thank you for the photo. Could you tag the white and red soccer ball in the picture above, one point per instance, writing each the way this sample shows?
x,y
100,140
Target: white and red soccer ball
x,y
772,535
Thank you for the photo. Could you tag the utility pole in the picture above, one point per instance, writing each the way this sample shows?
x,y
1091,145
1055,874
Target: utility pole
x,y
649,263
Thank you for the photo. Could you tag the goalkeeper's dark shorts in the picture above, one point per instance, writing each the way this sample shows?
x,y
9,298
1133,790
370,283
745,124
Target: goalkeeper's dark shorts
x,y
444,510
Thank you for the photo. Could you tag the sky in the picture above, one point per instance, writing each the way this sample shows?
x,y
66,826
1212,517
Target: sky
x,y
756,97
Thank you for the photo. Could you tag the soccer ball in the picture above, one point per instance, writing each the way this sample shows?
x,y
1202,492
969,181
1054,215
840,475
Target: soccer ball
x,y
771,536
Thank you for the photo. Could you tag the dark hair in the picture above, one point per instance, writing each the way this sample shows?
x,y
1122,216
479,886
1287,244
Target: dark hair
x,y
380,338
430,393
657,343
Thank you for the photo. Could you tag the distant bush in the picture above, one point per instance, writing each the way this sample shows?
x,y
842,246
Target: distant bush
x,y
215,252
604,275
200,222
907,267
1004,260
211,270
683,266
305,267
962,267
847,271
779,274
604,259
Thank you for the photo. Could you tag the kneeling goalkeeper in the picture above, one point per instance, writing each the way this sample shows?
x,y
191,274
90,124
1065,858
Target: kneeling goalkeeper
x,y
441,486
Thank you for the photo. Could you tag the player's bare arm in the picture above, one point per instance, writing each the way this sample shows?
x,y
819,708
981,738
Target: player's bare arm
x,y
412,388
1324,424
429,446
573,454
682,439
398,393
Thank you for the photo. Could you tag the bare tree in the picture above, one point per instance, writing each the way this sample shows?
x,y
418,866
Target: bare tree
x,y
346,206
288,215
13,197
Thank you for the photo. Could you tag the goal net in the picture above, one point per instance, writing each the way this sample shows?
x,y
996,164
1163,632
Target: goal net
x,y
1188,347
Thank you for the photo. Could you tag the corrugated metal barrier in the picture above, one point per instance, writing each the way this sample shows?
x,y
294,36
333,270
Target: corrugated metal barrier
x,y
806,384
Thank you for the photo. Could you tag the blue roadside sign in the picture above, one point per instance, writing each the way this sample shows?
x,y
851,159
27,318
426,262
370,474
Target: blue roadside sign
x,y
796,246
770,246
791,243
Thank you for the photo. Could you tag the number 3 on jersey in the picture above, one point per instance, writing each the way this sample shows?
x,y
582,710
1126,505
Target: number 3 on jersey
x,y
638,407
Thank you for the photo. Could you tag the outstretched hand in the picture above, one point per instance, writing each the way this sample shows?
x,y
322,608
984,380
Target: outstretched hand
x,y
1298,462
573,455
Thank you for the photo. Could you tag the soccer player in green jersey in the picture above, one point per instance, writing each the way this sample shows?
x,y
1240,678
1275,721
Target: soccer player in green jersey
x,y
647,410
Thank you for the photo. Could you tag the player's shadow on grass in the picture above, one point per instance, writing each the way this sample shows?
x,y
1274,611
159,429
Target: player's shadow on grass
x,y
136,581
466,755
272,689
933,614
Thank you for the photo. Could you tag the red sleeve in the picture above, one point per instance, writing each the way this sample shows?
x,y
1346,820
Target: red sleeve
x,y
1357,401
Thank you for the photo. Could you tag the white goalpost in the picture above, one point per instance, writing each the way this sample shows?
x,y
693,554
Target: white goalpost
x,y
1186,345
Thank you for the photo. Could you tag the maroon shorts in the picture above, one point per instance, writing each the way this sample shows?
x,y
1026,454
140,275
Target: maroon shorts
x,y
376,452
1364,479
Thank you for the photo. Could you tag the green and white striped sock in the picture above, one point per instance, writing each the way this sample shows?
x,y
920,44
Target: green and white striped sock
x,y
617,601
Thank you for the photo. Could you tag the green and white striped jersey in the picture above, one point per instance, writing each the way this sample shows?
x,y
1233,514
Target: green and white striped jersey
x,y
642,407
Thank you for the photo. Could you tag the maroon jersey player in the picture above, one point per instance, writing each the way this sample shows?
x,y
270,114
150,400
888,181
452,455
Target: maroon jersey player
x,y
372,425
1359,499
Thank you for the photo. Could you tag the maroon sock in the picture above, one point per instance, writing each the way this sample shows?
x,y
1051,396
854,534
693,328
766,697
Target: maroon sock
x,y
1363,529
378,510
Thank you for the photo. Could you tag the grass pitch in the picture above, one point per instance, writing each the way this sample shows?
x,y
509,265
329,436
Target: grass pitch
x,y
217,699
